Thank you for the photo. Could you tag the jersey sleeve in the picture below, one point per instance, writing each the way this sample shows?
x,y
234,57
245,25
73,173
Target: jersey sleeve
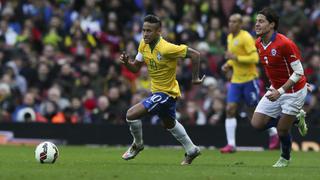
x,y
139,56
251,50
173,51
249,44
290,52
140,48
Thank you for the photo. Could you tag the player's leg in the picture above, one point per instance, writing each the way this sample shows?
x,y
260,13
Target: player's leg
x,y
251,94
230,127
266,116
135,125
260,120
233,97
133,118
291,105
167,113
283,129
179,132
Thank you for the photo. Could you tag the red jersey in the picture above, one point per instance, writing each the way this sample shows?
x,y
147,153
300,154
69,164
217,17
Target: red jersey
x,y
276,58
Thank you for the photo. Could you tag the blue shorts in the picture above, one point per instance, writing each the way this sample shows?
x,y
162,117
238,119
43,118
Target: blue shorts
x,y
161,104
248,91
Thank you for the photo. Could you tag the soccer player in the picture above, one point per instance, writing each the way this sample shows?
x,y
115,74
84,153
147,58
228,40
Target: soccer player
x,y
284,100
242,58
161,58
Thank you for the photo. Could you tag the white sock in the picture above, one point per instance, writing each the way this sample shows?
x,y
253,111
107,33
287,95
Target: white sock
x,y
181,135
231,124
272,131
135,127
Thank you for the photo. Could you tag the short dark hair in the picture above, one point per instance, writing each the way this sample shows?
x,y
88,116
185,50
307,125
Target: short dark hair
x,y
152,19
271,15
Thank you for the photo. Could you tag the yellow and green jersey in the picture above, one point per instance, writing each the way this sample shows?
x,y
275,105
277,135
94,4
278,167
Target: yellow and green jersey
x,y
161,61
243,46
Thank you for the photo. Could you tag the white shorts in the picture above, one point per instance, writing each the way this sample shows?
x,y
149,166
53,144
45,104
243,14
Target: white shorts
x,y
288,103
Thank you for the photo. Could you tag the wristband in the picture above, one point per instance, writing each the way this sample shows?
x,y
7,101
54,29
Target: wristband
x,y
281,91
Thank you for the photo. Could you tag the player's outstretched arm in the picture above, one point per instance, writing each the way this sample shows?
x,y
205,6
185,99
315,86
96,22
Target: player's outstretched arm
x,y
195,57
133,66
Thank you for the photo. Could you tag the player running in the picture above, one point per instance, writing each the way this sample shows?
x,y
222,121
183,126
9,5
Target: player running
x,y
161,58
242,59
280,106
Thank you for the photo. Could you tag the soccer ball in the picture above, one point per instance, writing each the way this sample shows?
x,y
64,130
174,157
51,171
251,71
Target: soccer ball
x,y
46,152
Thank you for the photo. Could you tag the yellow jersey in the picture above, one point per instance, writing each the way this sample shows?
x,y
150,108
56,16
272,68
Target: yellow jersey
x,y
243,46
161,61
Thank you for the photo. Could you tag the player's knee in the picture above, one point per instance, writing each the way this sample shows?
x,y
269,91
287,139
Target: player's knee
x,y
130,115
168,123
257,125
231,110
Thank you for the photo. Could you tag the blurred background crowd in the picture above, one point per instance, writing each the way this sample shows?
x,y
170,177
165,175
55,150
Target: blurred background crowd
x,y
59,58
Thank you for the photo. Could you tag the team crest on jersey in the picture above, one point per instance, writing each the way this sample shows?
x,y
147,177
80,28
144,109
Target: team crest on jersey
x,y
159,56
273,52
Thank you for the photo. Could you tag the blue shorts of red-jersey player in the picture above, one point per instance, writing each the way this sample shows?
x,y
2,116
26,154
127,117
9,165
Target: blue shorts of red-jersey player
x,y
247,92
161,104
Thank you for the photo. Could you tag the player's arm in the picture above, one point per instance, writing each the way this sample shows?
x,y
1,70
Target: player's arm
x,y
133,66
195,57
295,63
295,76
292,55
251,56
293,79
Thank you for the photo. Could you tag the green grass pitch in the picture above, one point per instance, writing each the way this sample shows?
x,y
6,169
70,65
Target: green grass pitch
x,y
83,162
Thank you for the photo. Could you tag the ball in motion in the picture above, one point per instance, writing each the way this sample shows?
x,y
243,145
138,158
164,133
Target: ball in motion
x,y
46,152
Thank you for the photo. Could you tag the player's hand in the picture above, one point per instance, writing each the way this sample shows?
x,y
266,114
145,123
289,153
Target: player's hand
x,y
272,94
225,67
124,58
229,55
198,81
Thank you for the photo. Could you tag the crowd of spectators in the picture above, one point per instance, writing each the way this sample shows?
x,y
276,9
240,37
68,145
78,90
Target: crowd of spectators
x,y
58,58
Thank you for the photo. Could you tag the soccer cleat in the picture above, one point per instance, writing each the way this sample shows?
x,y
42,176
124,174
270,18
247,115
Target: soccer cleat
x,y
189,158
274,142
282,162
302,126
132,152
228,149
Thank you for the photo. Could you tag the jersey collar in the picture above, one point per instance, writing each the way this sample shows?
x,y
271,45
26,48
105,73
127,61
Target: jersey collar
x,y
273,37
153,45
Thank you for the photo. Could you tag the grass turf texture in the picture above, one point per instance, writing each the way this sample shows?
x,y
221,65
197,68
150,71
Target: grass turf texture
x,y
82,162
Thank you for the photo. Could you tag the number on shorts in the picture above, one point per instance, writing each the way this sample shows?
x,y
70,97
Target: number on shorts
x,y
155,98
